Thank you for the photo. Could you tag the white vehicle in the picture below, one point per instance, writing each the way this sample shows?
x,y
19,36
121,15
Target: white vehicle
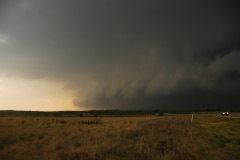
x,y
224,113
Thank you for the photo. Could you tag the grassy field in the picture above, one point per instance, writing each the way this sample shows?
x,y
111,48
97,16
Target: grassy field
x,y
153,137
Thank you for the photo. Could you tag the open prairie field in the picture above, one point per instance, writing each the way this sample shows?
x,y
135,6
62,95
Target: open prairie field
x,y
166,137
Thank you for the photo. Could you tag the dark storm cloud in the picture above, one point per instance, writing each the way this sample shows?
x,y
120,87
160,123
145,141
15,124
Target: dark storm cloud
x,y
127,54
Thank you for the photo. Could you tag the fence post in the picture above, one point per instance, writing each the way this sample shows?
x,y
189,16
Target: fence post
x,y
192,117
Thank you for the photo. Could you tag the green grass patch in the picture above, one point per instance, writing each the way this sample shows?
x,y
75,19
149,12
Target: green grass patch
x,y
221,134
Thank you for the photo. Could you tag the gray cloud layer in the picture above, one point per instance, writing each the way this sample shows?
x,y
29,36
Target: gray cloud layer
x,y
127,54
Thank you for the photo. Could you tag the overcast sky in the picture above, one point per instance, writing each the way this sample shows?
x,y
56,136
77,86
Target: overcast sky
x,y
122,54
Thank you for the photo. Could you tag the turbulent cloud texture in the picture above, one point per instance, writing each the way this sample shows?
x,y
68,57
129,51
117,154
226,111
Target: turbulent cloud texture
x,y
165,54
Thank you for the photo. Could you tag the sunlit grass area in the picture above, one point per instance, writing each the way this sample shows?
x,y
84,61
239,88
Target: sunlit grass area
x,y
111,138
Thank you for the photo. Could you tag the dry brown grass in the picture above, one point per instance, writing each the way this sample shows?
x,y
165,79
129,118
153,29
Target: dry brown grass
x,y
113,138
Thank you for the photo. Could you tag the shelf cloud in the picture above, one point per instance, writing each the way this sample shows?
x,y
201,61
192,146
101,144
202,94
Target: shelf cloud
x,y
157,54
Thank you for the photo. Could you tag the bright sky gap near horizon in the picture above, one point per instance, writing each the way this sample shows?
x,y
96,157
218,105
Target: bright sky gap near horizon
x,y
109,54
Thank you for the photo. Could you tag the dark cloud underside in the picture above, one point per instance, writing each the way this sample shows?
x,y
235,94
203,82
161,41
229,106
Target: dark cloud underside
x,y
126,54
